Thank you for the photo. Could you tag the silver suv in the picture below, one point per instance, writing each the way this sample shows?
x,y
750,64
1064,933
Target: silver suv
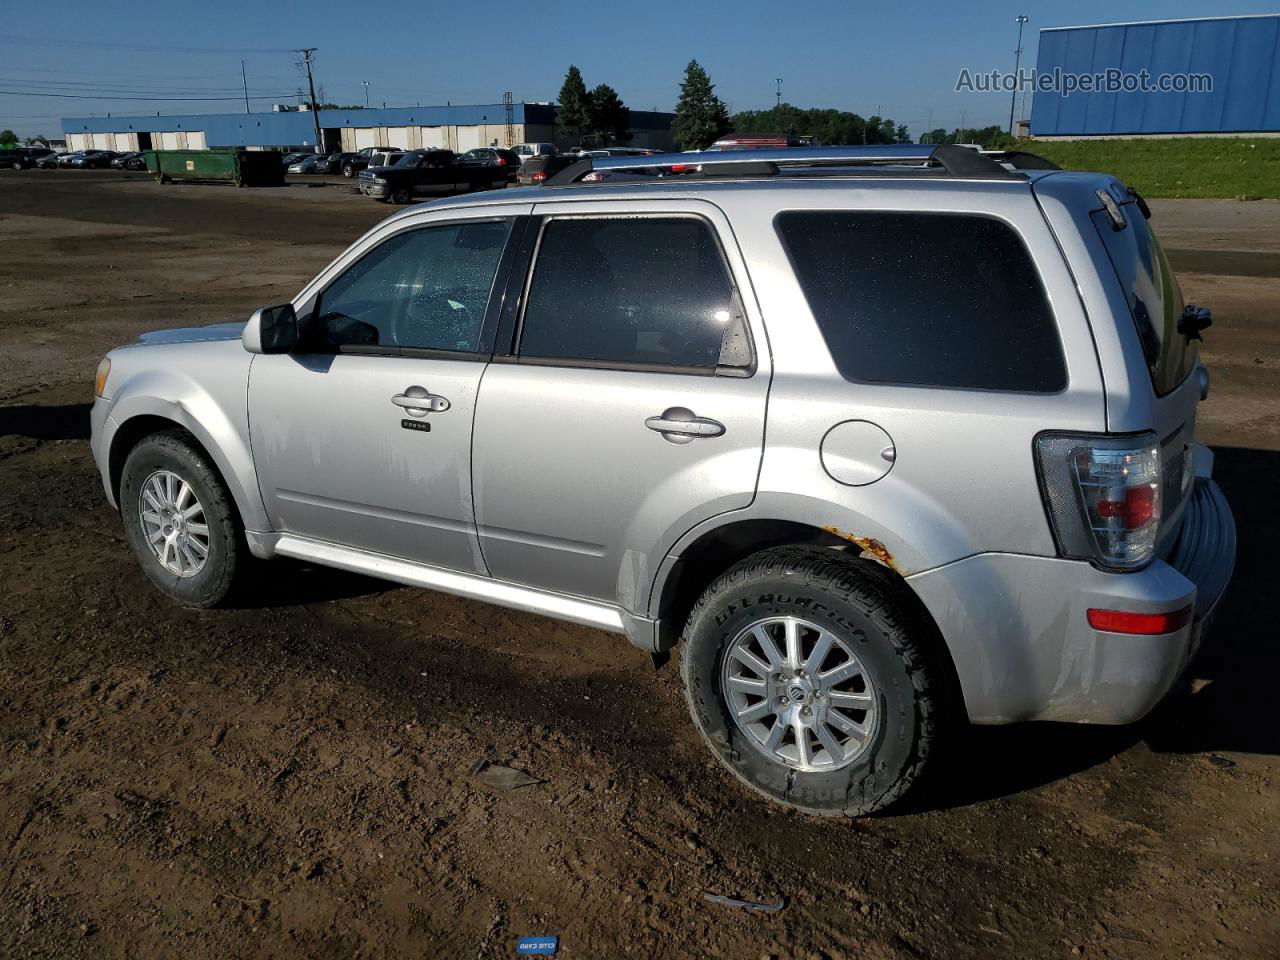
x,y
886,438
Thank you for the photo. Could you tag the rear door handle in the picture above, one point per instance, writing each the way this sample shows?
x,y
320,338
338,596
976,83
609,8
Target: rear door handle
x,y
682,425
419,401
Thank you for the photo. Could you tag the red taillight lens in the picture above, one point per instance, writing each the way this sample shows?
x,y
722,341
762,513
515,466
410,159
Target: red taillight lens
x,y
1142,624
502,161
1103,495
538,176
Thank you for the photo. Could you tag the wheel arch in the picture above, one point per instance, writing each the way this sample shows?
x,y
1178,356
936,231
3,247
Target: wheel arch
x,y
723,546
240,482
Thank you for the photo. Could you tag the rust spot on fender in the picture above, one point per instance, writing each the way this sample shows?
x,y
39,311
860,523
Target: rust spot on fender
x,y
871,546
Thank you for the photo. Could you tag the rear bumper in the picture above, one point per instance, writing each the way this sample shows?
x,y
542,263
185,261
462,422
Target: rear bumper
x,y
1018,631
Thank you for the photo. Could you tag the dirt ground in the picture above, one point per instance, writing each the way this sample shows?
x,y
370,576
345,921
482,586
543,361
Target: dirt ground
x,y
292,777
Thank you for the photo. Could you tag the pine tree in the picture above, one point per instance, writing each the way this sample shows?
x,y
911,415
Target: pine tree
x,y
575,106
608,118
701,117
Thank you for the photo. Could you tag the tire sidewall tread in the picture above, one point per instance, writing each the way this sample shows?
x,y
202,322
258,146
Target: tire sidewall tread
x,y
172,451
848,595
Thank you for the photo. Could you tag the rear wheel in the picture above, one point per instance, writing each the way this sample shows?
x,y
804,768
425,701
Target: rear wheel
x,y
180,520
806,674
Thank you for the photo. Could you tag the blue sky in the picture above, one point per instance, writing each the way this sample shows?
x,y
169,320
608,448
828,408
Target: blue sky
x,y
900,58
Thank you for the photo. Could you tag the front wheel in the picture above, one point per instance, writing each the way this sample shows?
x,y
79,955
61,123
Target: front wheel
x,y
180,520
401,195
806,673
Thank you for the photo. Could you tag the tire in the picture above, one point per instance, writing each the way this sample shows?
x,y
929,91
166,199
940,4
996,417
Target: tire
x,y
401,196
17,164
348,171
867,611
173,453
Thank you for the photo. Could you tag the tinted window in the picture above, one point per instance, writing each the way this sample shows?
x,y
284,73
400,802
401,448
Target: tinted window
x,y
927,299
642,290
423,288
1153,295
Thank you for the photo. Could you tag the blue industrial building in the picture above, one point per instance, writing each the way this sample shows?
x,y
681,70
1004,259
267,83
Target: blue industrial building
x,y
1240,54
454,127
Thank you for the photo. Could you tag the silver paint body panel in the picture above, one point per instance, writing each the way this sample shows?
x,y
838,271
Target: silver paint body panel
x,y
541,487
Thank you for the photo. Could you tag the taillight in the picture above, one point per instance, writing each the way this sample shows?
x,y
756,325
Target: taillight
x,y
538,176
1103,496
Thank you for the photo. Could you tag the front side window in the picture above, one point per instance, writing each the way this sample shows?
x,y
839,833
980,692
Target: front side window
x,y
926,299
639,290
424,289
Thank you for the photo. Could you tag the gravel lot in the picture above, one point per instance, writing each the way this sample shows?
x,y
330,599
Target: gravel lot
x,y
292,777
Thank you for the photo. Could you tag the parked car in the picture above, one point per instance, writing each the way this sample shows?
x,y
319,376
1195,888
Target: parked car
x,y
92,159
310,163
352,163
132,160
289,159
329,163
509,160
526,150
23,158
429,171
59,160
979,494
536,170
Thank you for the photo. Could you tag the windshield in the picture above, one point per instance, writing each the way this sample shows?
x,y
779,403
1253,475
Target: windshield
x,y
408,160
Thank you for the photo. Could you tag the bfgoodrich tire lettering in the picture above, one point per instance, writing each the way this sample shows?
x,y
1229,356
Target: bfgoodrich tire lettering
x,y
863,604
173,453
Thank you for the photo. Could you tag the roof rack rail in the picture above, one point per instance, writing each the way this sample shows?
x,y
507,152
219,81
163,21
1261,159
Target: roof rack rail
x,y
944,159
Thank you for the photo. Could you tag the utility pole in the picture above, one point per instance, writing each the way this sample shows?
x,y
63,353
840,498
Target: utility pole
x,y
779,91
307,54
1017,64
366,93
246,87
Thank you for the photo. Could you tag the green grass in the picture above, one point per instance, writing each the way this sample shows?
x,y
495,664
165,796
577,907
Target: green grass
x,y
1240,168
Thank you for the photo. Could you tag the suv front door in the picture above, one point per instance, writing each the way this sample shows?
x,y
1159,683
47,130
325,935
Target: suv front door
x,y
362,437
630,404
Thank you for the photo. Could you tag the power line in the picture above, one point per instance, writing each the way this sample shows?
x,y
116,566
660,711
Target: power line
x,y
12,40
86,96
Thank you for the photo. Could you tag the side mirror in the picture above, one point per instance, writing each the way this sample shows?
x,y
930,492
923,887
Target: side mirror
x,y
271,330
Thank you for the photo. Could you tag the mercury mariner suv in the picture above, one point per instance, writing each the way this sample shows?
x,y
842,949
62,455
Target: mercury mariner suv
x,y
886,437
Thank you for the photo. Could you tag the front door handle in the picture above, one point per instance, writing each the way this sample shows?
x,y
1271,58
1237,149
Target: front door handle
x,y
419,401
681,425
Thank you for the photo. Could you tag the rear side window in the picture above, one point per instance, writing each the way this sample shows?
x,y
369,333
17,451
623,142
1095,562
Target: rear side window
x,y
926,299
649,291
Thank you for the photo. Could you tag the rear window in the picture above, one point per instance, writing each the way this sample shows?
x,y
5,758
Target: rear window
x,y
926,299
1153,296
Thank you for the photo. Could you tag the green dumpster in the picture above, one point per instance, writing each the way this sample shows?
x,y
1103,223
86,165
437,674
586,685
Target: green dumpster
x,y
244,168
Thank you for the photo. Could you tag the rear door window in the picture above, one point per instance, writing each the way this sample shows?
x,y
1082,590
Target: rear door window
x,y
926,299
634,291
1151,289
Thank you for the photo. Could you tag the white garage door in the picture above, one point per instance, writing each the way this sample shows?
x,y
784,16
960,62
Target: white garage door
x,y
196,140
77,141
124,142
399,137
171,140
102,141
366,137
432,136
468,138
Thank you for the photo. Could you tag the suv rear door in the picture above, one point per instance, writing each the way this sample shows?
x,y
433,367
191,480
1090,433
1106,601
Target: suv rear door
x,y
630,402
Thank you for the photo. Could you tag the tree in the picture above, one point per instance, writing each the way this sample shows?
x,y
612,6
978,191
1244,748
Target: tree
x,y
8,136
701,117
608,119
829,127
574,110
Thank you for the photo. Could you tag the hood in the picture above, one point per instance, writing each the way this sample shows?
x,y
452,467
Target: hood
x,y
210,332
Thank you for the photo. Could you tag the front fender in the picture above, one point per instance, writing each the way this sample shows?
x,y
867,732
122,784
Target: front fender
x,y
215,413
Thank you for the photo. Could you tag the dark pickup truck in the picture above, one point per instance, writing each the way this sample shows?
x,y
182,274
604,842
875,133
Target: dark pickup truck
x,y
429,171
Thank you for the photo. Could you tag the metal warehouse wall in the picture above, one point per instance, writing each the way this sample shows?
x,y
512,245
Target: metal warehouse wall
x,y
1239,52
